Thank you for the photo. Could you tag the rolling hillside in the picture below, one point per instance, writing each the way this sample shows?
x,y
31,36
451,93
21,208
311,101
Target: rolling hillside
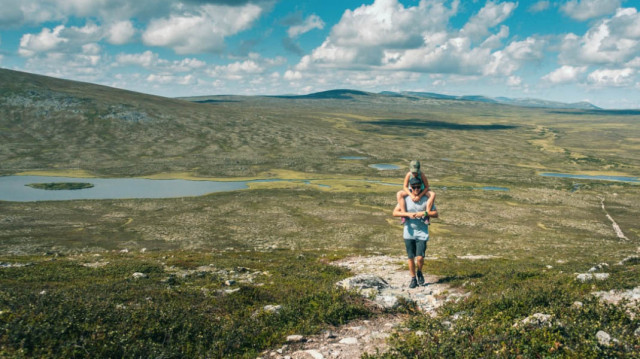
x,y
51,123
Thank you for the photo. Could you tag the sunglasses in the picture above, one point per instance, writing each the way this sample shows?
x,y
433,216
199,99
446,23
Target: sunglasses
x,y
415,187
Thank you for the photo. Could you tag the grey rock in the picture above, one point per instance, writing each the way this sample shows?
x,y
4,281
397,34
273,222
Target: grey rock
x,y
349,341
138,275
315,354
603,338
586,277
387,301
537,320
363,281
272,308
576,305
637,332
229,282
631,260
295,338
329,334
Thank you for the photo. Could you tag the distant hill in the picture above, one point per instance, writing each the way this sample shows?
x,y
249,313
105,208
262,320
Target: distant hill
x,y
340,94
521,102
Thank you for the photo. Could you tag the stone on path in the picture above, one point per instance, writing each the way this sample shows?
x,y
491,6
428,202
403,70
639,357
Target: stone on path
x,y
363,281
295,338
349,341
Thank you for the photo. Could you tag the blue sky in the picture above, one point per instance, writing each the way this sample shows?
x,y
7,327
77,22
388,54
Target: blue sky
x,y
567,50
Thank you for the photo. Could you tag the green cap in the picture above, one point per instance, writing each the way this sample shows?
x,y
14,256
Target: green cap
x,y
414,166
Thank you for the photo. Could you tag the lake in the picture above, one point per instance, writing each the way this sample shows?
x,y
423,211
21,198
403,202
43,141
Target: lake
x,y
13,188
587,177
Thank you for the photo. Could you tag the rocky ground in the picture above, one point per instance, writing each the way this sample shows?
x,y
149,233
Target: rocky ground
x,y
384,280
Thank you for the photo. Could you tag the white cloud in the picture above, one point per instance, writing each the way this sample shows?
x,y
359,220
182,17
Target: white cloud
x,y
387,36
611,78
35,12
387,23
146,59
60,39
312,22
201,31
86,65
248,69
491,15
120,32
539,6
610,42
565,74
634,63
514,81
380,32
290,75
168,79
530,49
454,56
305,82
589,9
152,61
46,40
495,41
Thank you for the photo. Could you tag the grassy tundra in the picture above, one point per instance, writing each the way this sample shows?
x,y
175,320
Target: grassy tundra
x,y
67,285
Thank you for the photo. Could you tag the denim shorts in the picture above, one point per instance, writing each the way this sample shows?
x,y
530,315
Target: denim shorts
x,y
415,248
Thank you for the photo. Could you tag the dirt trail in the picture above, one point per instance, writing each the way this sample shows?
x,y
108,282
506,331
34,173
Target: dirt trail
x,y
615,226
369,336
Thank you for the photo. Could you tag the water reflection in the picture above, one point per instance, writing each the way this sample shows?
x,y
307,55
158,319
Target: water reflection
x,y
604,178
384,166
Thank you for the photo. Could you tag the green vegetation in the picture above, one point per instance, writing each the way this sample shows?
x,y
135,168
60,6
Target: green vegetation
x,y
56,186
179,307
504,293
538,235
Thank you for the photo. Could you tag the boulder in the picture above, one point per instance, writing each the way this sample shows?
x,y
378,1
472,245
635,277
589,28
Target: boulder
x,y
363,281
603,338
295,338
138,275
387,301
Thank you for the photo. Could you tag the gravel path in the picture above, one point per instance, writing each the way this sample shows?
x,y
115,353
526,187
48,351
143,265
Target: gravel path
x,y
369,336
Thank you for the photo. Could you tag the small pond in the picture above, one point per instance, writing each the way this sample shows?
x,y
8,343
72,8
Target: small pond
x,y
384,166
353,158
587,177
